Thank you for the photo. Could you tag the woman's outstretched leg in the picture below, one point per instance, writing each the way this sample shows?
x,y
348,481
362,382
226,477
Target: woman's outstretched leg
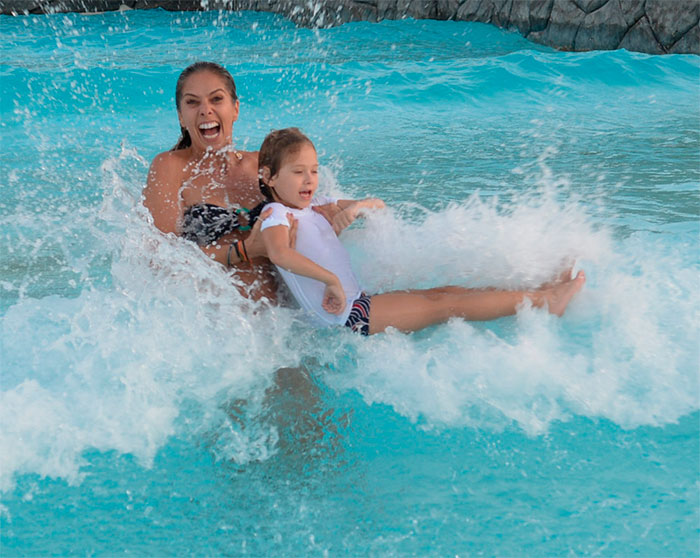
x,y
414,310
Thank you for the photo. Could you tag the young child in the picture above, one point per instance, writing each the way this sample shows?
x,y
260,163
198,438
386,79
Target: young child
x,y
318,271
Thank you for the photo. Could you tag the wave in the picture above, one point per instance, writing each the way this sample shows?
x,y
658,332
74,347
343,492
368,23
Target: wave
x,y
153,341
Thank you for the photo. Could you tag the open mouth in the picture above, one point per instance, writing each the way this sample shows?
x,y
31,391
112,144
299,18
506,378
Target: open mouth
x,y
306,194
210,130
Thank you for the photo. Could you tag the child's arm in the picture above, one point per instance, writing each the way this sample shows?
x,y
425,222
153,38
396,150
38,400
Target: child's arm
x,y
351,209
367,203
276,241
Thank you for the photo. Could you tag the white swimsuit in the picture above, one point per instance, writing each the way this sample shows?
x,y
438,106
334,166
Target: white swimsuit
x,y
317,241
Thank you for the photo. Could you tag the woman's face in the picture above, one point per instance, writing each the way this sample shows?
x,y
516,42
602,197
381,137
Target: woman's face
x,y
207,111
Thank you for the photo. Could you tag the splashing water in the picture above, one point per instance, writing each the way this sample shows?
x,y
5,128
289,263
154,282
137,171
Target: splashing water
x,y
139,386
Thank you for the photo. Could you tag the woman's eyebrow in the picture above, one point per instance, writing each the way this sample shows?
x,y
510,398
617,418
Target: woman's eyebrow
x,y
187,94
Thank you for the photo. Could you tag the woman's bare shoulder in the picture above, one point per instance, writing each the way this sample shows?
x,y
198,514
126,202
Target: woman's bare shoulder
x,y
170,162
250,158
165,176
161,194
168,170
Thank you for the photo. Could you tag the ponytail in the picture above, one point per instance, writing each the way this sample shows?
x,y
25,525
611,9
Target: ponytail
x,y
184,141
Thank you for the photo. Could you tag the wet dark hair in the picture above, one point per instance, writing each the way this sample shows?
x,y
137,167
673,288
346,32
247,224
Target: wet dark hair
x,y
275,147
185,139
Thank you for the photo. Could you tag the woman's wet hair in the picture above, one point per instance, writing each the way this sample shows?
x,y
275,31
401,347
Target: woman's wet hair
x,y
185,139
275,147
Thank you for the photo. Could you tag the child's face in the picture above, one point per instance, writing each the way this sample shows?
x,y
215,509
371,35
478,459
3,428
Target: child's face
x,y
297,179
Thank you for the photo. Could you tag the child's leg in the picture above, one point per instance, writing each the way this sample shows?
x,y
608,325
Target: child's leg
x,y
414,310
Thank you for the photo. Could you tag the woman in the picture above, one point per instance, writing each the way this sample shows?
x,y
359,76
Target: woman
x,y
204,188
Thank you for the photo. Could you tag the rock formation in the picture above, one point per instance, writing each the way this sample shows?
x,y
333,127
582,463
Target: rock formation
x,y
652,26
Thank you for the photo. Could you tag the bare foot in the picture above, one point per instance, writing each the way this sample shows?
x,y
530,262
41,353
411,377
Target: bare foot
x,y
562,277
565,275
558,296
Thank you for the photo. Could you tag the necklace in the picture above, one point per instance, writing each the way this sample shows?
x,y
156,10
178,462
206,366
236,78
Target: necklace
x,y
237,154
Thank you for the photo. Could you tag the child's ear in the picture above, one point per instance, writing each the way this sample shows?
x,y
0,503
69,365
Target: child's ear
x,y
266,175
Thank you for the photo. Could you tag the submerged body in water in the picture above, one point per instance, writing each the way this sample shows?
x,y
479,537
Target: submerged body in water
x,y
126,354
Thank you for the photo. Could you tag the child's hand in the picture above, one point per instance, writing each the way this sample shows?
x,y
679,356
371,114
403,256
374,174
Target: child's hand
x,y
346,217
334,299
372,203
329,211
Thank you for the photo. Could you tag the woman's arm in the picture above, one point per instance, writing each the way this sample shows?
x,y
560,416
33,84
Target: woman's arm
x,y
160,196
276,241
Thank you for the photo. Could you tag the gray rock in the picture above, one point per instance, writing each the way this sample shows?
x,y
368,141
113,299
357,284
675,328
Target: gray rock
x,y
538,14
653,26
632,11
590,6
688,43
471,10
604,21
562,27
640,37
668,22
447,9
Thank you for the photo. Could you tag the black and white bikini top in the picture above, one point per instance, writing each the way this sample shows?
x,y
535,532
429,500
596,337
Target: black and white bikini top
x,y
205,223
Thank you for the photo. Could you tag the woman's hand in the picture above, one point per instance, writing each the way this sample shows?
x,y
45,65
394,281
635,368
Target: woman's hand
x,y
254,244
334,298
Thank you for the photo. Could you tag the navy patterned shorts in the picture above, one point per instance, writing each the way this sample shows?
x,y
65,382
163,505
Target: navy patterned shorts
x,y
358,320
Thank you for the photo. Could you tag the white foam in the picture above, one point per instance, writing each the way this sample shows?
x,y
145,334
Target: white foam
x,y
164,345
114,367
626,350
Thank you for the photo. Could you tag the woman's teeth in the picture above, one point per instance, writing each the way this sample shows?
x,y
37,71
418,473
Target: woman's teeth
x,y
209,129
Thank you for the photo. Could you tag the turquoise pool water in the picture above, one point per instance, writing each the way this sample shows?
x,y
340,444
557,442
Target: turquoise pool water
x,y
147,410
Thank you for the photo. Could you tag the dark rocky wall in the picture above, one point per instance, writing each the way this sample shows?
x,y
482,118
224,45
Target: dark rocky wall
x,y
653,26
